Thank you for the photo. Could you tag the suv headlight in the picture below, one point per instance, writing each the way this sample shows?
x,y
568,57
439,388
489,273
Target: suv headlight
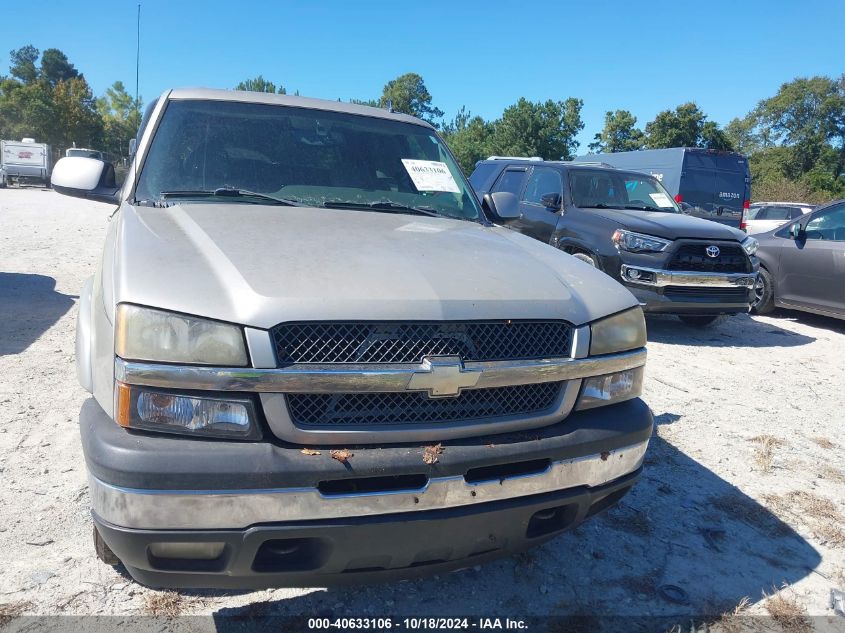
x,y
618,333
638,243
155,335
750,245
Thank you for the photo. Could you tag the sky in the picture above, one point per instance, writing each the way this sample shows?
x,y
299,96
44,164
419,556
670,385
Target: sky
x,y
643,56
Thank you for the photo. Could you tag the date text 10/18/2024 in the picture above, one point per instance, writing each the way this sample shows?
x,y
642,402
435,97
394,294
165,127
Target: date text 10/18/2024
x,y
413,624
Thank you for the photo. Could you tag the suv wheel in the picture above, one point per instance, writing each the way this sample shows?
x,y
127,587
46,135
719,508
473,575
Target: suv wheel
x,y
104,552
698,321
764,295
586,258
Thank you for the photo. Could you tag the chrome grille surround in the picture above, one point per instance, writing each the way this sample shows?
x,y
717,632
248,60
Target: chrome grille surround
x,y
273,385
377,342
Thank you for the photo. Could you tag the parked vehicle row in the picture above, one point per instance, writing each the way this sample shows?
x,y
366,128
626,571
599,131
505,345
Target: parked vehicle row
x,y
316,356
708,184
314,359
626,224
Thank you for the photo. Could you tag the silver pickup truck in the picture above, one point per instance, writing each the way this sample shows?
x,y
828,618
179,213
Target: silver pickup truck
x,y
314,360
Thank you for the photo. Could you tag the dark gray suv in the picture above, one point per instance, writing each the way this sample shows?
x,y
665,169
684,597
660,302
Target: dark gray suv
x,y
627,225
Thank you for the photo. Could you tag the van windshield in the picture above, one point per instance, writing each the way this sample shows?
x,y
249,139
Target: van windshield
x,y
606,188
303,156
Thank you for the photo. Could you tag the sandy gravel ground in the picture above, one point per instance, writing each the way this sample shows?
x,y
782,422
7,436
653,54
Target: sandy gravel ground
x,y
741,505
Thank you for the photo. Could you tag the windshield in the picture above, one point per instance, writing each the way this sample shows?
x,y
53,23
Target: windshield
x,y
302,155
85,153
606,188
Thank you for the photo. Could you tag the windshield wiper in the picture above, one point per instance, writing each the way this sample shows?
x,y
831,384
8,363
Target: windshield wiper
x,y
599,205
385,205
230,192
644,207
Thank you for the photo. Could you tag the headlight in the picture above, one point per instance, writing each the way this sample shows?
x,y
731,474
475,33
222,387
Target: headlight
x,y
750,245
637,242
600,391
158,410
618,333
154,335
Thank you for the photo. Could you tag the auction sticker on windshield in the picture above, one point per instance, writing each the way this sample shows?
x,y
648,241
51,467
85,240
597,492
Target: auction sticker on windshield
x,y
430,175
661,200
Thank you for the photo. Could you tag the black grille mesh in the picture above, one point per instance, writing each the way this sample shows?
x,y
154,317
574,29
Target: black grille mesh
x,y
693,258
415,407
410,342
715,293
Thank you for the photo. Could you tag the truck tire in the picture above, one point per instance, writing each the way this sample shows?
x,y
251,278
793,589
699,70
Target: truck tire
x,y
586,258
698,321
764,291
104,552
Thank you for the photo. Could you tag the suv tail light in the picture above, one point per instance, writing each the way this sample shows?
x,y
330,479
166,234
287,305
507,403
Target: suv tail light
x,y
743,222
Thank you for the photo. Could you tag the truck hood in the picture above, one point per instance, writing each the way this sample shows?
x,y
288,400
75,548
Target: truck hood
x,y
260,265
671,226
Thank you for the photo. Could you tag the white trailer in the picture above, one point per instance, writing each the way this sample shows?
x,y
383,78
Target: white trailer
x,y
25,160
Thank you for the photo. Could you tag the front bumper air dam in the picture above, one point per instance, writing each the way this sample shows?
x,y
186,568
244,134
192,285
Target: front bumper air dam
x,y
272,515
359,550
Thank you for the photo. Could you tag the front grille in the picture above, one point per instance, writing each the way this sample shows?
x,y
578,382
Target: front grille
x,y
412,341
705,293
692,257
415,407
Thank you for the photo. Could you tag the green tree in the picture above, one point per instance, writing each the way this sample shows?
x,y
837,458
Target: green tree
x,y
678,128
77,120
55,67
712,137
745,135
469,138
22,65
26,110
685,126
259,84
373,103
121,116
620,133
807,114
540,129
408,94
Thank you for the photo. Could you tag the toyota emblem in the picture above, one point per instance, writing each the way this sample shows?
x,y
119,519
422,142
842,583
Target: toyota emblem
x,y
712,251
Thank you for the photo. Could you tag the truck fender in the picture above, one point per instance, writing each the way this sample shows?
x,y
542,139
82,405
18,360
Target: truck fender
x,y
83,337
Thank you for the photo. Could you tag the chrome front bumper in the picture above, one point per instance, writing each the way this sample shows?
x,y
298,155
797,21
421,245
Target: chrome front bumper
x,y
233,509
679,278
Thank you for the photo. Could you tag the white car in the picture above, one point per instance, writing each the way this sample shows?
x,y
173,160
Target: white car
x,y
762,217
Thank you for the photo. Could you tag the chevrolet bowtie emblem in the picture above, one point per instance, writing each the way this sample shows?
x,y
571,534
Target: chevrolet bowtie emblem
x,y
443,376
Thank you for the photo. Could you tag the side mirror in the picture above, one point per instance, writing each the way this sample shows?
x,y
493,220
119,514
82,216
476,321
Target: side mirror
x,y
796,231
88,178
551,201
502,205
